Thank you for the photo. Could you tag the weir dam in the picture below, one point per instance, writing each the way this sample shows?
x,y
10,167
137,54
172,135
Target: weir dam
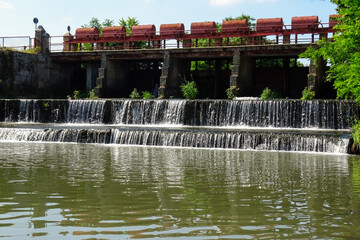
x,y
322,126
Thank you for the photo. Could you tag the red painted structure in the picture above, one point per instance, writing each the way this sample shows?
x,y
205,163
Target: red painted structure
x,y
270,25
86,34
174,30
302,24
143,32
332,20
240,27
110,33
208,30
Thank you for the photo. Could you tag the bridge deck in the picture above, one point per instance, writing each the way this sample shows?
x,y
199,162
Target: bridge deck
x,y
289,50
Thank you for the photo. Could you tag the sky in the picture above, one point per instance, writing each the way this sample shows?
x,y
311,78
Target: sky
x,y
16,16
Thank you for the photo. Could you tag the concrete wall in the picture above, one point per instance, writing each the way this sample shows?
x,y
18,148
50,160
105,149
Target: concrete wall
x,y
31,75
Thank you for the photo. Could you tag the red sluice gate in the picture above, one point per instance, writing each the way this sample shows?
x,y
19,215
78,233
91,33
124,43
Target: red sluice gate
x,y
270,25
173,30
309,23
235,26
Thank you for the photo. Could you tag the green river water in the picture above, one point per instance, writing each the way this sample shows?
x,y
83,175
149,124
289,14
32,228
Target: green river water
x,y
85,191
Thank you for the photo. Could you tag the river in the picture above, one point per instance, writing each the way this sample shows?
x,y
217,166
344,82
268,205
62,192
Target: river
x,y
98,191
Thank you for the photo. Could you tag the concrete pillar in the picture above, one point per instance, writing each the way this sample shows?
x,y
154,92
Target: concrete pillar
x,y
174,72
217,86
317,77
42,40
286,67
91,75
67,47
101,78
241,79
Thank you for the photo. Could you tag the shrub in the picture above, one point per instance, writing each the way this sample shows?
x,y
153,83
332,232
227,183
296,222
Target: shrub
x,y
35,50
268,94
356,135
76,94
46,104
307,94
79,95
135,94
189,90
92,94
147,95
232,92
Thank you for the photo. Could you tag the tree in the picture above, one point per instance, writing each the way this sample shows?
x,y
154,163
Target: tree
x,y
108,23
342,52
94,22
128,23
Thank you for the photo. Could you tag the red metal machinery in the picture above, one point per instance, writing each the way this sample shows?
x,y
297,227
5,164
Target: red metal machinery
x,y
143,32
113,34
270,25
305,24
239,27
333,21
203,29
87,34
172,31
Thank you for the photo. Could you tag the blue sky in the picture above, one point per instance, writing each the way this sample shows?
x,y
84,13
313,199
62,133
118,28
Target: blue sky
x,y
16,16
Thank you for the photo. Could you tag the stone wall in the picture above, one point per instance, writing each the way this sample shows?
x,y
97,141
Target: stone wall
x,y
25,75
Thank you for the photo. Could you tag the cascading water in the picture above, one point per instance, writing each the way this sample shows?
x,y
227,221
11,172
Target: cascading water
x,y
326,114
148,112
85,111
289,125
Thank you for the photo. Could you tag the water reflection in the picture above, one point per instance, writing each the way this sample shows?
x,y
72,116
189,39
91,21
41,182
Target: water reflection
x,y
59,191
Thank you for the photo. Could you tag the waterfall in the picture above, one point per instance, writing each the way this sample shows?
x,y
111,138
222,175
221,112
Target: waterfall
x,y
233,140
86,111
324,114
29,111
287,125
148,112
268,140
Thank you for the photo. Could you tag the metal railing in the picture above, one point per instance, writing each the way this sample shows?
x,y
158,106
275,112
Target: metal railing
x,y
19,43
56,43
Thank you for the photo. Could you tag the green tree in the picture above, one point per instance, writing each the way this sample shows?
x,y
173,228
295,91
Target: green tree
x,y
128,23
243,16
342,52
107,23
94,22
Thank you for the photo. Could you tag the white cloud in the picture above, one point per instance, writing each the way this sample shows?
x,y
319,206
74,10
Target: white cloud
x,y
233,2
5,5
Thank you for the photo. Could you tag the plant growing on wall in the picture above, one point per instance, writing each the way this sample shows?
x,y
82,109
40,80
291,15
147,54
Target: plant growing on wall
x,y
147,95
92,94
232,92
76,94
189,90
135,94
268,94
307,94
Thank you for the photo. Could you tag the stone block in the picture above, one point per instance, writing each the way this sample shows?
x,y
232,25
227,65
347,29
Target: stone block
x,y
99,82
101,72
